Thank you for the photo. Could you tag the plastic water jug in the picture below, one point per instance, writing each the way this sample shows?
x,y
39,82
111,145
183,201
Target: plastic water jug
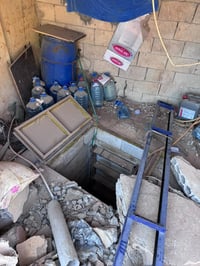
x,y
97,93
64,92
73,88
46,100
37,80
81,97
37,89
54,90
33,107
110,92
81,82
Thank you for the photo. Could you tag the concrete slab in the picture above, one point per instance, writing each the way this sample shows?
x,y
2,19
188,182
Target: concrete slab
x,y
183,231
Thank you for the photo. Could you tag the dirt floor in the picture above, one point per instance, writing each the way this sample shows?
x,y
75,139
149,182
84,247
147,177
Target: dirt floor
x,y
134,129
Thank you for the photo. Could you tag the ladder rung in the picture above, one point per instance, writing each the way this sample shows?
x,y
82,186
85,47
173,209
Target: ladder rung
x,y
161,131
148,223
165,105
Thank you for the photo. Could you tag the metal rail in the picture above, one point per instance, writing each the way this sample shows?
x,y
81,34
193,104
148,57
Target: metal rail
x,y
131,217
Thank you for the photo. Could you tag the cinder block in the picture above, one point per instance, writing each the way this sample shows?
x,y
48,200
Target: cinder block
x,y
187,80
181,61
134,72
121,83
93,52
188,32
173,47
45,11
177,11
152,61
69,18
103,37
197,16
146,87
146,46
192,50
159,76
104,66
167,28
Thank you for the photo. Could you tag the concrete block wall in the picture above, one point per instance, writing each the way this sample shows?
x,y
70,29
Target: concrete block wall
x,y
150,76
16,23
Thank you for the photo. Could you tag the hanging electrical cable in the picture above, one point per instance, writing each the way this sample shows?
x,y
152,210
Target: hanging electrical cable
x,y
163,44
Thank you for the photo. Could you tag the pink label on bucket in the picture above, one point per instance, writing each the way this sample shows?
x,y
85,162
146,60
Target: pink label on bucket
x,y
121,50
116,61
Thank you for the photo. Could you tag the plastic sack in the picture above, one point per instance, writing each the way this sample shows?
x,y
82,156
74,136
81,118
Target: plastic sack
x,y
8,255
14,177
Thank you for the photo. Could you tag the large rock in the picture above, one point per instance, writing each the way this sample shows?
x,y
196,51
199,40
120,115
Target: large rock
x,y
187,176
183,230
32,249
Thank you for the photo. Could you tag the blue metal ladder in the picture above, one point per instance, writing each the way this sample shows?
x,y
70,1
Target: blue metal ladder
x,y
160,225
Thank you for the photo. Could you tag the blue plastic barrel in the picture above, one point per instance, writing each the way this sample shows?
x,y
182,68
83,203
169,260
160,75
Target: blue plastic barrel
x,y
58,61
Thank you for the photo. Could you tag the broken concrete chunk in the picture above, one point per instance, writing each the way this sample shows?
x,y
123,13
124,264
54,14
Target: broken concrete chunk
x,y
8,255
183,231
15,235
108,236
32,249
187,176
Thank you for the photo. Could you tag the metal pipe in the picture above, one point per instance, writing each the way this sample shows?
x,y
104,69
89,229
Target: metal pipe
x,y
66,252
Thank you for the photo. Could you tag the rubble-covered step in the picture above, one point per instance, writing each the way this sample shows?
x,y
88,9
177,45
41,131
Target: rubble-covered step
x,y
118,158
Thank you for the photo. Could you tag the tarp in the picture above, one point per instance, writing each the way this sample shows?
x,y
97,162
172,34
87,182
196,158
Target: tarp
x,y
112,10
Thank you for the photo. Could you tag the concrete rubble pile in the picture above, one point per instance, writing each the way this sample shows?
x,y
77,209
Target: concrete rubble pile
x,y
93,226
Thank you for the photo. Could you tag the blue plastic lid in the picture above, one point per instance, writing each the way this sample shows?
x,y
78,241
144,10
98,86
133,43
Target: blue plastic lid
x,y
32,100
81,89
65,87
43,94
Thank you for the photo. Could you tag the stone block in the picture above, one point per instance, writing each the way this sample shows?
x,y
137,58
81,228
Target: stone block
x,y
45,11
167,28
188,32
146,46
15,235
197,16
187,80
146,87
102,37
69,18
187,176
177,11
181,61
152,61
32,249
94,52
173,47
133,72
155,75
191,50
